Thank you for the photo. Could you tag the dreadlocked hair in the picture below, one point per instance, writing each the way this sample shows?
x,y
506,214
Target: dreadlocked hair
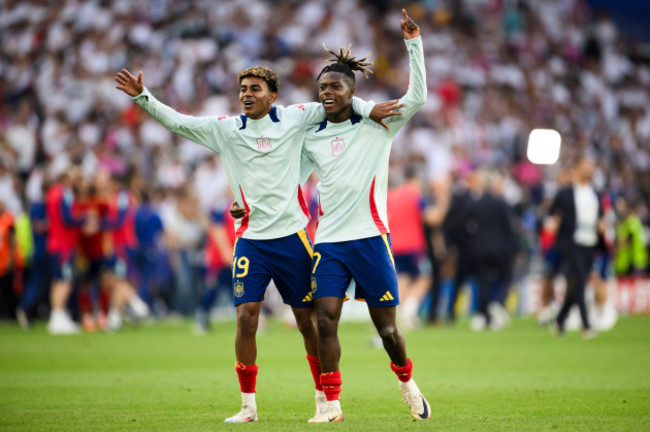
x,y
346,63
266,73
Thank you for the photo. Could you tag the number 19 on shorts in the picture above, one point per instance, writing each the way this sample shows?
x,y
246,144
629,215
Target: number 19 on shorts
x,y
240,267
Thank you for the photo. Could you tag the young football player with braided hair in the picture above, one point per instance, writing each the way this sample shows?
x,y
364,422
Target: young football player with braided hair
x,y
261,152
350,157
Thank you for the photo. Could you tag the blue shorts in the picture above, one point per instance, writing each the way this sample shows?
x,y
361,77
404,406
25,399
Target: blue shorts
x,y
62,266
116,265
368,261
553,261
601,264
91,270
412,264
286,260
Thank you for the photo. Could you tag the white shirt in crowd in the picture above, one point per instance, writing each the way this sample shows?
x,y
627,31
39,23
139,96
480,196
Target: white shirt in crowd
x,y
586,201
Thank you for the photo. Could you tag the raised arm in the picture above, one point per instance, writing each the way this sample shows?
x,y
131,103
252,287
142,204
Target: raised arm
x,y
197,129
416,94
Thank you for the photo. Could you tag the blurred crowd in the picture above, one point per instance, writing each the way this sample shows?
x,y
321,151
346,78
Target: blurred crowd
x,y
496,69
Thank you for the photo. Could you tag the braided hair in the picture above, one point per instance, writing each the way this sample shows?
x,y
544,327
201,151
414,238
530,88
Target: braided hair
x,y
345,63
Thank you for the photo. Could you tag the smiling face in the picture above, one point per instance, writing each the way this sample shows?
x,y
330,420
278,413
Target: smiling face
x,y
255,97
335,93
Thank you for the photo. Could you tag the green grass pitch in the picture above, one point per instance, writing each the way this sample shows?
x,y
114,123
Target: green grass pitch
x,y
163,378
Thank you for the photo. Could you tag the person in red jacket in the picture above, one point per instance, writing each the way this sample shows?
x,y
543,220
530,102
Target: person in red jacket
x,y
122,207
405,207
61,245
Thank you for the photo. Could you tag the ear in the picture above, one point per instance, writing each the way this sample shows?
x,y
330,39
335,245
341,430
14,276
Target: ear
x,y
352,91
273,97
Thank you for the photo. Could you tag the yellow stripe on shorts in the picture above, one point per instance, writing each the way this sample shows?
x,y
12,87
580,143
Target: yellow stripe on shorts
x,y
234,257
390,253
305,241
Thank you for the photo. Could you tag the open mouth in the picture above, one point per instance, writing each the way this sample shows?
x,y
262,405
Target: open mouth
x,y
248,103
328,103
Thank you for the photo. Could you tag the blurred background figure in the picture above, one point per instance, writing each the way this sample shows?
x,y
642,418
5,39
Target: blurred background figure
x,y
185,228
493,245
631,256
405,205
8,262
578,211
217,270
62,242
434,216
458,240
37,273
150,258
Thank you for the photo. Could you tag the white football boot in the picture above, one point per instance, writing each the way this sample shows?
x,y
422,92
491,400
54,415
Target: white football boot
x,y
60,323
139,308
420,408
321,405
113,321
248,411
331,414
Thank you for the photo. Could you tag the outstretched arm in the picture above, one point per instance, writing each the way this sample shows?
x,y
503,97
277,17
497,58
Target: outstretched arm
x,y
197,129
417,91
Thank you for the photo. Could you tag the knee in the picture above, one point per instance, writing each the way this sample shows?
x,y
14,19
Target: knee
x,y
326,326
247,322
389,333
306,323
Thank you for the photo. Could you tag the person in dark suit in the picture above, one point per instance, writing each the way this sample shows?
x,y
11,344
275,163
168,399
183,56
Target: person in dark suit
x,y
457,238
493,243
577,212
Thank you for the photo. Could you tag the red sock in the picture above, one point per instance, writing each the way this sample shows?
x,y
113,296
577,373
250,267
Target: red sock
x,y
314,365
85,303
331,382
247,377
104,300
403,372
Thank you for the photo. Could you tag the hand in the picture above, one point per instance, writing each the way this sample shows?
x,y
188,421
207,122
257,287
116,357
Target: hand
x,y
410,29
237,212
128,83
384,110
